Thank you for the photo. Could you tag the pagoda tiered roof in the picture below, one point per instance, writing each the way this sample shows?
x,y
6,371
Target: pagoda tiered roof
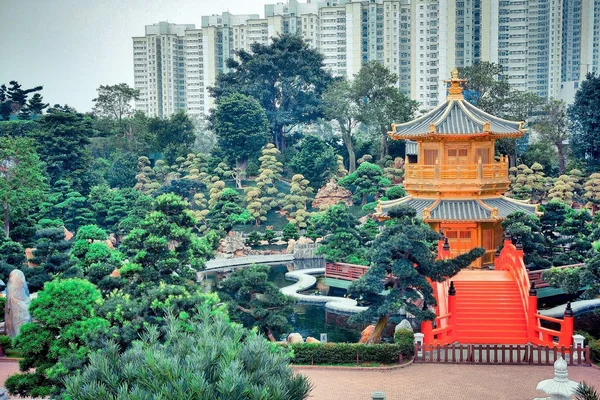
x,y
457,117
459,210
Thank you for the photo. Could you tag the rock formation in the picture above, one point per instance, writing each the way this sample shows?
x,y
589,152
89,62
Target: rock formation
x,y
17,303
404,324
295,338
311,339
366,334
234,245
331,194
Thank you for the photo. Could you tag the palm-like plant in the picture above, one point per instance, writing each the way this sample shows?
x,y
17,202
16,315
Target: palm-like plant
x,y
586,392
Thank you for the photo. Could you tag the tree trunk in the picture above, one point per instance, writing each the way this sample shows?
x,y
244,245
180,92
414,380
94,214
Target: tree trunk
x,y
269,333
347,137
384,145
378,331
6,222
561,158
364,200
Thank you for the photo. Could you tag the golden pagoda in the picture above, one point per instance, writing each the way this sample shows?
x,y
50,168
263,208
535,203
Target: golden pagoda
x,y
457,185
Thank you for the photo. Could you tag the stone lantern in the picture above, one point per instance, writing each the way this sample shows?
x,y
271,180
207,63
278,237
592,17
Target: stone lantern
x,y
560,387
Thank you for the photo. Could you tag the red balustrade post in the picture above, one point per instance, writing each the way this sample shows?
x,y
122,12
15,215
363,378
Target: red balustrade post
x,y
531,312
427,331
452,312
566,332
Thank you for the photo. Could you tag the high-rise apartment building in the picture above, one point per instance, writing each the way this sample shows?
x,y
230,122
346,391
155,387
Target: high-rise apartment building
x,y
580,47
159,69
545,46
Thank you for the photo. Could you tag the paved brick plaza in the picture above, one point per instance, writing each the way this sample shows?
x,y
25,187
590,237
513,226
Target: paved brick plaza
x,y
435,381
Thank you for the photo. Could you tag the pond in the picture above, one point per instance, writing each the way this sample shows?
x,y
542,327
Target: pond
x,y
308,319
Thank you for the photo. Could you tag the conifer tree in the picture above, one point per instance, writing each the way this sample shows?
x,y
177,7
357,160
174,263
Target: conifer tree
x,y
562,190
403,258
528,183
295,202
366,181
592,191
341,170
146,180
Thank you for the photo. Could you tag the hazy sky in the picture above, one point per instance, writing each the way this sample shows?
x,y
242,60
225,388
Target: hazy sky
x,y
73,46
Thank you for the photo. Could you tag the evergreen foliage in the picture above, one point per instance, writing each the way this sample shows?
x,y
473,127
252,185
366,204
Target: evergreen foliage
x,y
585,138
215,359
315,160
256,302
287,77
403,258
365,182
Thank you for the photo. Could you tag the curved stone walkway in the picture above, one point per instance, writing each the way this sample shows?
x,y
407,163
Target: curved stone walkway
x,y
306,280
577,306
217,263
439,381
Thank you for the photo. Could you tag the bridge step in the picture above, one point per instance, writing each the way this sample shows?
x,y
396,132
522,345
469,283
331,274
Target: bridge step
x,y
489,308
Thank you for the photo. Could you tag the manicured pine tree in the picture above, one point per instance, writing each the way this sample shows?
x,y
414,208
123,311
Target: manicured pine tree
x,y
256,302
295,202
146,179
592,191
403,258
365,182
562,190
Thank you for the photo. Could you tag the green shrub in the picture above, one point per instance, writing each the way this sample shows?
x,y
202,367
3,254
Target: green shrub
x,y
395,192
28,384
595,350
6,342
345,353
2,305
405,338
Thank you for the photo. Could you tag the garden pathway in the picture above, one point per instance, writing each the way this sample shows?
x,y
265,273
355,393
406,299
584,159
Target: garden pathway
x,y
217,263
435,381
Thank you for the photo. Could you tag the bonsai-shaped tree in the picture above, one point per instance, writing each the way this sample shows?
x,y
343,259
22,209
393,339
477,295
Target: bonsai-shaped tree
x,y
592,191
146,179
367,180
295,202
563,189
342,240
528,183
403,259
254,301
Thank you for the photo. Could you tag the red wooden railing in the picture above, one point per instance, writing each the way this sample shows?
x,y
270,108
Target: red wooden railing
x,y
349,272
525,354
443,333
511,260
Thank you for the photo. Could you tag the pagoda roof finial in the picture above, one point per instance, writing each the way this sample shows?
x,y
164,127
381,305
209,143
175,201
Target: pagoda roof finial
x,y
455,89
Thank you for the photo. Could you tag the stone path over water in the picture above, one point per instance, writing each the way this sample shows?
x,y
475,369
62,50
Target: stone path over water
x,y
437,381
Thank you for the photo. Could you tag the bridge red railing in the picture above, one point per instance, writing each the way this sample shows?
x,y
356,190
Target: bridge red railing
x,y
511,260
443,333
349,272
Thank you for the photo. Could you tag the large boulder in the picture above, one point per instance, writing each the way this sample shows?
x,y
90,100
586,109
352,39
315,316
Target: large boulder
x,y
234,245
404,324
16,310
331,194
295,338
311,339
366,334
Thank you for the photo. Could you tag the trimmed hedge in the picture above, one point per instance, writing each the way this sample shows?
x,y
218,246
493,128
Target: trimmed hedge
x,y
345,353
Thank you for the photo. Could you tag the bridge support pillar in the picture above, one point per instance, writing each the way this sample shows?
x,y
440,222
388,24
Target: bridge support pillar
x,y
566,333
531,312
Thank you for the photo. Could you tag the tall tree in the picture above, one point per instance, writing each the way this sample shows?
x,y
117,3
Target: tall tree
x,y
553,126
114,101
22,181
16,97
403,260
381,102
62,140
36,104
340,105
585,140
287,77
316,160
366,181
241,126
485,87
174,137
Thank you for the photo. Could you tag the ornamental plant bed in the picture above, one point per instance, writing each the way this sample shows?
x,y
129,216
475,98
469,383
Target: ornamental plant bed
x,y
349,353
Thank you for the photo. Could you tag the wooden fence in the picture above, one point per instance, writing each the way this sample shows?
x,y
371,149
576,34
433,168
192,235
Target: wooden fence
x,y
525,354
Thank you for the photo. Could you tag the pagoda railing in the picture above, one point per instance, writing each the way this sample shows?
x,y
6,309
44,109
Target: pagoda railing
x,y
421,172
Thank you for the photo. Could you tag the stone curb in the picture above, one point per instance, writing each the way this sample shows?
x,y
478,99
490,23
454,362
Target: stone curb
x,y
343,368
9,360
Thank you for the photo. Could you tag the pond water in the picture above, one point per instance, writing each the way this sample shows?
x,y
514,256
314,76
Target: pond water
x,y
308,319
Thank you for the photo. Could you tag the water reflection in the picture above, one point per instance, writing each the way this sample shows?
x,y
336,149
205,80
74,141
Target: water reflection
x,y
308,320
